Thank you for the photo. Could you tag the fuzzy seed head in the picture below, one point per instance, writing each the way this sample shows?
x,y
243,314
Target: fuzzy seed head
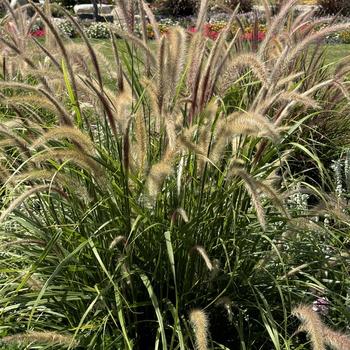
x,y
200,325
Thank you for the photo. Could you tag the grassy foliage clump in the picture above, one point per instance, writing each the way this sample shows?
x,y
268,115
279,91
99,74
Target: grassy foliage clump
x,y
334,7
149,200
178,7
244,5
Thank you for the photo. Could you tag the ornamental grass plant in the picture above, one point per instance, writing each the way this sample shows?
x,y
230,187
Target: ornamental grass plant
x,y
151,201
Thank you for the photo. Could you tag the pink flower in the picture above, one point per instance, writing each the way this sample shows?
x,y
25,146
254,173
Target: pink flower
x,y
321,305
38,33
250,36
211,34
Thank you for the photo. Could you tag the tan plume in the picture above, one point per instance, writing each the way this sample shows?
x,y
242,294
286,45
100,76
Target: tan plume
x,y
336,340
312,324
200,324
41,337
320,334
159,172
203,254
244,61
71,133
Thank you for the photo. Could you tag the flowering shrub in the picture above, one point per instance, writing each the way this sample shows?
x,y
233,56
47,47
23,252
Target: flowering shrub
x,y
66,28
163,26
345,37
212,31
167,22
150,32
333,39
341,170
342,37
218,26
261,28
98,31
37,29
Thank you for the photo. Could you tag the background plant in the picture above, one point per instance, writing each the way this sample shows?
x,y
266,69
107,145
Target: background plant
x,y
66,28
178,8
333,7
98,30
244,5
345,37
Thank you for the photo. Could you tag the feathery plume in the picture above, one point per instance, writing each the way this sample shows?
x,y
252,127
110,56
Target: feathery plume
x,y
289,79
252,188
31,100
62,48
65,117
195,57
229,129
336,340
152,19
18,201
120,74
117,240
162,86
159,172
71,133
141,141
78,158
245,61
54,177
89,47
171,132
314,37
176,54
124,9
179,175
23,242
182,213
18,140
275,25
312,324
247,123
201,251
342,88
297,97
217,70
212,61
202,14
320,334
200,324
34,284
53,338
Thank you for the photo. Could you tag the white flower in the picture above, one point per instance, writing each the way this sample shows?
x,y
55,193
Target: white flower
x,y
98,30
337,168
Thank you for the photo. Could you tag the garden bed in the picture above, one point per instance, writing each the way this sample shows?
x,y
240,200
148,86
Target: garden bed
x,y
252,26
